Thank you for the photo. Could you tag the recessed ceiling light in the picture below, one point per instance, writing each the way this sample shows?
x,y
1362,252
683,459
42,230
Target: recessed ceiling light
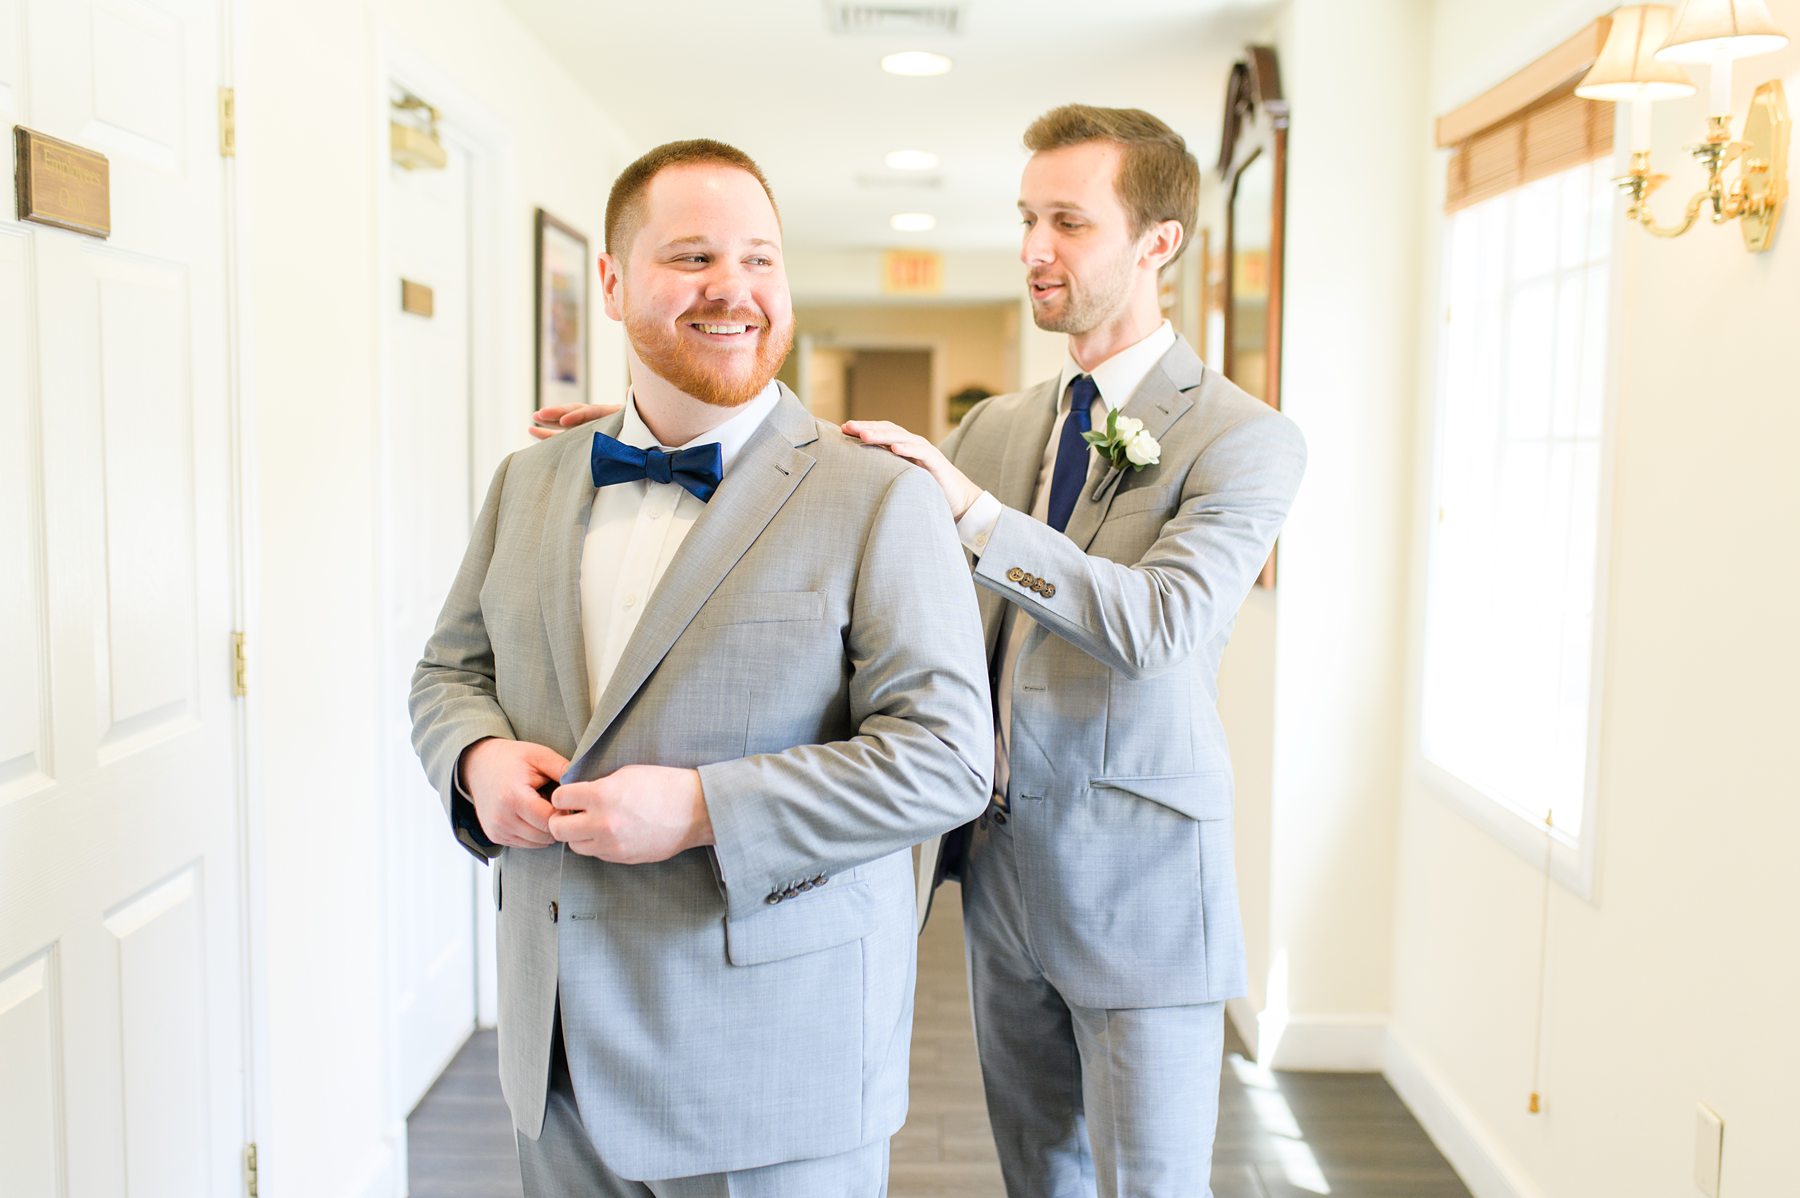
x,y
913,222
912,160
915,62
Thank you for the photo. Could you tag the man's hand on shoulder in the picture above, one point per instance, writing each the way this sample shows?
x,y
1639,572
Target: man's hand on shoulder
x,y
635,815
958,489
547,422
502,778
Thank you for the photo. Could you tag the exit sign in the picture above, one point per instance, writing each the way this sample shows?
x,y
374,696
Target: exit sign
x,y
912,272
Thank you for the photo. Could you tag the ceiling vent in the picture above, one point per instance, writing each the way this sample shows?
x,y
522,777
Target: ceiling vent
x,y
893,19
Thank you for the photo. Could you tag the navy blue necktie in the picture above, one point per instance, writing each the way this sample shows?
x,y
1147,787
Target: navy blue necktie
x,y
696,469
1072,453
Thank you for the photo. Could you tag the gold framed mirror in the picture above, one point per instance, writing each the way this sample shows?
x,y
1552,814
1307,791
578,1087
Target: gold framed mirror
x,y
1253,170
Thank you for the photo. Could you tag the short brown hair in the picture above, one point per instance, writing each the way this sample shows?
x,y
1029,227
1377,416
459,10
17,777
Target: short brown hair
x,y
1158,180
625,204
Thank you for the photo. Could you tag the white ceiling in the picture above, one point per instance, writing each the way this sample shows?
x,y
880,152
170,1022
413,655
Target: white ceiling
x,y
817,112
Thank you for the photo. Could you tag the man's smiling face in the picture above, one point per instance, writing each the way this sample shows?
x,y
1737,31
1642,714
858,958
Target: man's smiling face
x,y
703,292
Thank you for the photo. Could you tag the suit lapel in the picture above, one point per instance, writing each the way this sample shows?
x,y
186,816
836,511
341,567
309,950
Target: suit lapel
x,y
1160,400
566,511
760,480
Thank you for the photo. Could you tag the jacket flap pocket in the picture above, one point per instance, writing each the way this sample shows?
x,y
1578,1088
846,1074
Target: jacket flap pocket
x,y
827,917
762,607
1197,796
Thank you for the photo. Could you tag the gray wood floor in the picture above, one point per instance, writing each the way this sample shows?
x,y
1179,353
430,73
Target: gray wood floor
x,y
1281,1135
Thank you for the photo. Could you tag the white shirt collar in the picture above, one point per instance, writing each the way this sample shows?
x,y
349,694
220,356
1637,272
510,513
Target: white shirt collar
x,y
1123,373
732,436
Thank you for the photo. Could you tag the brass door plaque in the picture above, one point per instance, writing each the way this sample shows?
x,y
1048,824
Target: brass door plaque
x,y
415,298
62,184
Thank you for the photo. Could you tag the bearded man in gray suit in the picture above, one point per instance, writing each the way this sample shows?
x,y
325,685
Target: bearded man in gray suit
x,y
1099,895
697,703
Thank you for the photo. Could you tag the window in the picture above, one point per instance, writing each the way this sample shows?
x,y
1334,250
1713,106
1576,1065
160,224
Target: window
x,y
1512,577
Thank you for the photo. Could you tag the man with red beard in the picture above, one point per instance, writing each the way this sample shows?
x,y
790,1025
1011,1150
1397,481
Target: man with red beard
x,y
702,680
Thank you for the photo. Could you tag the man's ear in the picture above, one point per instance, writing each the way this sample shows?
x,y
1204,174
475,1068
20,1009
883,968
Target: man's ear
x,y
1162,241
612,286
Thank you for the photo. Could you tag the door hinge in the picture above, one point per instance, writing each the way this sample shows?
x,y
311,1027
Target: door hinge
x,y
240,667
250,1170
228,122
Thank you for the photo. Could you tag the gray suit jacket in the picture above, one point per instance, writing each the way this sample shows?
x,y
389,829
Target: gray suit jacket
x,y
814,651
1120,775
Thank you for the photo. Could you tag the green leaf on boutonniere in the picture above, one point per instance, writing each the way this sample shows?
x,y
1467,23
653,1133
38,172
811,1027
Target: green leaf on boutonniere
x,y
1116,444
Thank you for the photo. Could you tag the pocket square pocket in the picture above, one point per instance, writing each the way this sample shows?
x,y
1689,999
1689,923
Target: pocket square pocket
x,y
762,607
1141,499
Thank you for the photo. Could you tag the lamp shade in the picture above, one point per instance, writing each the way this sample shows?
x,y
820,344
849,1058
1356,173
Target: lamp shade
x,y
1627,68
1721,30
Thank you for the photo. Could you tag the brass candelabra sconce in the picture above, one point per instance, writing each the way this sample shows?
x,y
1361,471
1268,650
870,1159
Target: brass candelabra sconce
x,y
414,144
1641,63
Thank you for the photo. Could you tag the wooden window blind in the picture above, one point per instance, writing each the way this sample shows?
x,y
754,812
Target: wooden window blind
x,y
1527,127
1556,133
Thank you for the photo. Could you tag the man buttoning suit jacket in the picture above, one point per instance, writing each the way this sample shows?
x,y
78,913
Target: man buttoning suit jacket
x,y
697,704
1100,902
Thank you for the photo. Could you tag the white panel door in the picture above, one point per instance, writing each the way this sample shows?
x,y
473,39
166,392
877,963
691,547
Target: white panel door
x,y
425,421
121,1033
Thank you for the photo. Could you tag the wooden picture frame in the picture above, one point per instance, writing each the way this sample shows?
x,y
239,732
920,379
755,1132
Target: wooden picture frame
x,y
1253,169
561,280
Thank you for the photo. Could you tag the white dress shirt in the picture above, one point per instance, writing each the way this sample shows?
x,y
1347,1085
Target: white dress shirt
x,y
633,532
1116,379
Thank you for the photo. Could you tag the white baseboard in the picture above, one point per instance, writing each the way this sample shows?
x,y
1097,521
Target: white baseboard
x,y
384,1174
1312,1043
1243,1018
1482,1164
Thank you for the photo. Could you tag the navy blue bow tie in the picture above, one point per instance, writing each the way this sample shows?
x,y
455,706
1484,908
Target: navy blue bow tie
x,y
697,469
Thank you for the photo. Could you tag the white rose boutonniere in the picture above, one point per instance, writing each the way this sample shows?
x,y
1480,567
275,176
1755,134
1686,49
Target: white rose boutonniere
x,y
1125,442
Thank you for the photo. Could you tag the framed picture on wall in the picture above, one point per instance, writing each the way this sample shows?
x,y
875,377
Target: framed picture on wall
x,y
562,313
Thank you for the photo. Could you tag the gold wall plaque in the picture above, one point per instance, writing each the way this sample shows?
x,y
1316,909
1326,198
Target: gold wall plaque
x,y
62,184
415,298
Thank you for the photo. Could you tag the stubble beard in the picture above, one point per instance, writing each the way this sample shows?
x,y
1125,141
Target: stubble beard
x,y
1086,307
683,364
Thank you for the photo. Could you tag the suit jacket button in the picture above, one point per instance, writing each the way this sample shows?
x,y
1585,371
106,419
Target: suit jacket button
x,y
552,910
1049,590
806,885
774,897
1015,574
820,880
790,892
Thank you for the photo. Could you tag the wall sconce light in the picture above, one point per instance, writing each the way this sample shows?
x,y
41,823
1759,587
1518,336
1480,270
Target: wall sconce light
x,y
412,145
1641,63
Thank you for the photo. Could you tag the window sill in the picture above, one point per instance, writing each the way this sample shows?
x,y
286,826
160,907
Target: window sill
x,y
1572,863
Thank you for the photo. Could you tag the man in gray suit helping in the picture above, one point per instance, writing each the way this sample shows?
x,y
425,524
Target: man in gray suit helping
x,y
1100,901
701,681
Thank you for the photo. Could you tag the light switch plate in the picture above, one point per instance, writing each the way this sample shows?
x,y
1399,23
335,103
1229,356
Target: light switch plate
x,y
1709,1149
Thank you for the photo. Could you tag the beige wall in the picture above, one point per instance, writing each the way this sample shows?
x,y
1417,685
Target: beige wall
x,y
1309,690
313,108
1675,984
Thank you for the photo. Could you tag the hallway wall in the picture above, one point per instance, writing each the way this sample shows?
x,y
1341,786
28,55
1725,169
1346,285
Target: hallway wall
x,y
1308,691
1675,983
312,151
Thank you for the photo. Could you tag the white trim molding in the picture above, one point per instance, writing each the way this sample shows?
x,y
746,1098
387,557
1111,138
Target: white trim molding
x,y
1311,1043
1484,1166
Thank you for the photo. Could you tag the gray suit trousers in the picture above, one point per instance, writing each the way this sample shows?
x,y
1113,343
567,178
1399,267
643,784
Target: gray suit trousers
x,y
1083,1100
564,1163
